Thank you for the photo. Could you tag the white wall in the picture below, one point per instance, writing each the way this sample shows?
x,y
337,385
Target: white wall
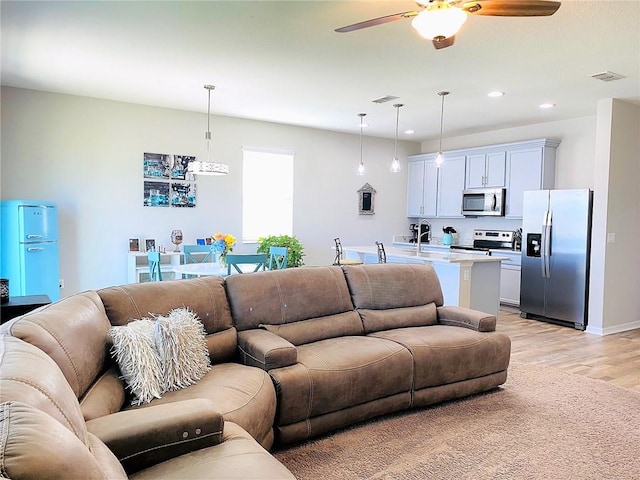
x,y
86,155
615,262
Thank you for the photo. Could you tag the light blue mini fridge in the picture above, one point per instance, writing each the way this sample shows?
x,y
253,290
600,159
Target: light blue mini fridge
x,y
29,248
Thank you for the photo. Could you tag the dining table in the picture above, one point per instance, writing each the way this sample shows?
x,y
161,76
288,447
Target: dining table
x,y
204,269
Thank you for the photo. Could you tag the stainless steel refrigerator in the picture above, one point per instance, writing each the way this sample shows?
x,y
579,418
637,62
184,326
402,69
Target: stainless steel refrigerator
x,y
556,235
29,247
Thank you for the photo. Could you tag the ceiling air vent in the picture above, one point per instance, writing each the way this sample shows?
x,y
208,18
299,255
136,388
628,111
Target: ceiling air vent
x,y
606,76
385,99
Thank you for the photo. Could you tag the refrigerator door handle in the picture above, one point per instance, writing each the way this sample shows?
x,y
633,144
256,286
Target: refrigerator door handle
x,y
546,244
35,249
32,236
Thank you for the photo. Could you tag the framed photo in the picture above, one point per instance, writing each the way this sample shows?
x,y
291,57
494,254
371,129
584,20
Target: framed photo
x,y
134,244
200,241
150,244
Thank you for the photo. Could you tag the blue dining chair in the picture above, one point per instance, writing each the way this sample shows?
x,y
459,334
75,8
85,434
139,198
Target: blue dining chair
x,y
189,250
278,257
155,274
235,260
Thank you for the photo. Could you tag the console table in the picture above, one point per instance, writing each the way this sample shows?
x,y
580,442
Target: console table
x,y
17,306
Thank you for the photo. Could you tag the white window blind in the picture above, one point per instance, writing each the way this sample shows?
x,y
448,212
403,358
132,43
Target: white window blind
x,y
267,193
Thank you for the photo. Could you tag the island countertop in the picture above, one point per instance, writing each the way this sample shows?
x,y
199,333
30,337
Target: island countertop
x,y
409,255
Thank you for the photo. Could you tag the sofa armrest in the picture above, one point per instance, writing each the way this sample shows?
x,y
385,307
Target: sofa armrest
x,y
465,317
266,350
146,436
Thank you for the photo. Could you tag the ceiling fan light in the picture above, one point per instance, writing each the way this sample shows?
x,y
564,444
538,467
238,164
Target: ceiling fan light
x,y
441,20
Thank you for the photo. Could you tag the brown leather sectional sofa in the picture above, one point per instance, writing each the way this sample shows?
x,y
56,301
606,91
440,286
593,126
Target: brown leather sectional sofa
x,y
295,353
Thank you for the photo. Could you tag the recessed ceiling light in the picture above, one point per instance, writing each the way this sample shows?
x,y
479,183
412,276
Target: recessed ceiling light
x,y
495,94
547,105
409,132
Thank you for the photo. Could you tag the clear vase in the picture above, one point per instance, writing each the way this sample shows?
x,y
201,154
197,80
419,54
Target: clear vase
x,y
222,260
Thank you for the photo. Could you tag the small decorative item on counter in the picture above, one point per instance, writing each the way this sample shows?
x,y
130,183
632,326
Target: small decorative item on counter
x,y
223,243
176,239
447,238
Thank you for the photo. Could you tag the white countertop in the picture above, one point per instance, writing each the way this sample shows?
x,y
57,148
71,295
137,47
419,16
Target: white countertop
x,y
410,254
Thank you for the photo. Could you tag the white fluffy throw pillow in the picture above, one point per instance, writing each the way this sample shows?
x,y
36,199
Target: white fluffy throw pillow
x,y
182,348
135,352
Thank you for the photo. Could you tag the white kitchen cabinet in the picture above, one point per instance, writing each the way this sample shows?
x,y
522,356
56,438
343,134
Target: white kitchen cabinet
x,y
450,186
509,277
530,166
422,186
486,170
518,166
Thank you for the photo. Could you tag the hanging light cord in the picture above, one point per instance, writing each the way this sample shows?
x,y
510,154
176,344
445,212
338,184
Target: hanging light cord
x,y
395,149
207,134
442,94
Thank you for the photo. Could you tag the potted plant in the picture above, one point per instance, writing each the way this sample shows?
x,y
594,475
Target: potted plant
x,y
294,248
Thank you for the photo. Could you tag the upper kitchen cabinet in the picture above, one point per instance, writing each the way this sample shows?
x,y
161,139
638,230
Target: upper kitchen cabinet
x,y
422,186
450,186
433,191
530,166
486,170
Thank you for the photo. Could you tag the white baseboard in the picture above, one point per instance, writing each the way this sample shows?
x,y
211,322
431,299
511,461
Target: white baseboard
x,y
614,329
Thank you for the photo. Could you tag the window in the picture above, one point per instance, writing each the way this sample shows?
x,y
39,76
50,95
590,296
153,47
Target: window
x,y
267,193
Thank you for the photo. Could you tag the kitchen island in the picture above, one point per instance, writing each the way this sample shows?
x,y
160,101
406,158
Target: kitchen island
x,y
467,280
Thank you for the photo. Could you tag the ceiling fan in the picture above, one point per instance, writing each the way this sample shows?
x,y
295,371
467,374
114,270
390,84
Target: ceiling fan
x,y
440,20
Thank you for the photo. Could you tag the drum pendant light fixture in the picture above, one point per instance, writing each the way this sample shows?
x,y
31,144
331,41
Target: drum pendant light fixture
x,y
360,170
395,163
439,157
205,163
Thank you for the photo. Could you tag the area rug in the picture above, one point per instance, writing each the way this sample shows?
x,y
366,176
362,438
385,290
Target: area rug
x,y
541,424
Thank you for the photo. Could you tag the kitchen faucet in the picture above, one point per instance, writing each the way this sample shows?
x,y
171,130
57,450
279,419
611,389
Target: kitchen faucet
x,y
419,243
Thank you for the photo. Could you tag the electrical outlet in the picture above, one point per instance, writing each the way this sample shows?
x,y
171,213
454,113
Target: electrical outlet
x,y
61,283
466,274
611,238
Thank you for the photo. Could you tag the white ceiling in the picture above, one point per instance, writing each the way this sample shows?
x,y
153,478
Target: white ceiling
x,y
283,62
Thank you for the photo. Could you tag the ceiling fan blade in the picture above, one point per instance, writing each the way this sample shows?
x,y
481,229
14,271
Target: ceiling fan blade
x,y
376,21
510,8
442,42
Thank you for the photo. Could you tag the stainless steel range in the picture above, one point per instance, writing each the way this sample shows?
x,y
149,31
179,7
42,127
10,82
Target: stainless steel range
x,y
486,240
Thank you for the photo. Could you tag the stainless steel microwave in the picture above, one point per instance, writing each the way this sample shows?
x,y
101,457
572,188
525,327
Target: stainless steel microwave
x,y
484,202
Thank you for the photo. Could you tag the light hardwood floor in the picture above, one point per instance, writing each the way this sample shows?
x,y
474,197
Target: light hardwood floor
x,y
612,358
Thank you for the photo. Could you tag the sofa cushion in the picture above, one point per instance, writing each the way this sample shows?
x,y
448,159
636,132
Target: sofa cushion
x,y
291,295
74,332
244,395
35,445
445,354
376,320
314,329
392,285
30,376
339,373
204,296
105,396
134,349
238,457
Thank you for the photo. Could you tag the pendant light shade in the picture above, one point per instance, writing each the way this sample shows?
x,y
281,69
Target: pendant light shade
x,y
205,163
395,163
439,21
360,170
439,157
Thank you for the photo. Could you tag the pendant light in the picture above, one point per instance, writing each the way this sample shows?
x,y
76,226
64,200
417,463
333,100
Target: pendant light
x,y
360,170
395,163
205,163
439,158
